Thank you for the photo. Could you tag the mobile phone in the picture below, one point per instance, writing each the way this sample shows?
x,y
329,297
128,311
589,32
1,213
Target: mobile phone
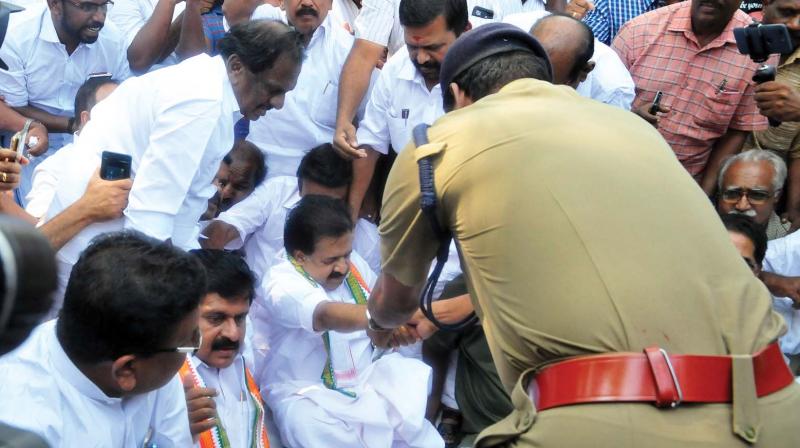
x,y
115,166
654,108
105,76
759,41
483,13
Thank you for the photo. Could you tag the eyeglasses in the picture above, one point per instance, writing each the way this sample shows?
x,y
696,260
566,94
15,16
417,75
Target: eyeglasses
x,y
754,196
184,350
90,7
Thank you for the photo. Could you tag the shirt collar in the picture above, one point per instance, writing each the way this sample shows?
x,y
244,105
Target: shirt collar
x,y
229,103
408,72
48,31
70,373
682,22
292,200
321,32
238,362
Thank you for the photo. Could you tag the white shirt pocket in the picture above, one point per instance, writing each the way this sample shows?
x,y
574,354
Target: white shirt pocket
x,y
323,109
400,127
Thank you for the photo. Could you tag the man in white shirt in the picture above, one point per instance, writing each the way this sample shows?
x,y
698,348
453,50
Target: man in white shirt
x,y
321,366
177,124
221,395
407,91
257,223
308,116
104,372
606,78
50,52
378,29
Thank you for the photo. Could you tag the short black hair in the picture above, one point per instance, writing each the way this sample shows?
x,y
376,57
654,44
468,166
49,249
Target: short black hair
x,y
126,295
313,218
227,274
260,43
746,226
418,13
250,153
490,74
86,97
323,166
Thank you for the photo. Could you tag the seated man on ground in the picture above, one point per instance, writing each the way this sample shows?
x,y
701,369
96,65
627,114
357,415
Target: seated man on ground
x,y
104,372
221,395
321,366
240,172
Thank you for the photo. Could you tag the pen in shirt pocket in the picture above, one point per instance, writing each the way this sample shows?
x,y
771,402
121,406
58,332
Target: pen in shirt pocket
x,y
722,85
404,116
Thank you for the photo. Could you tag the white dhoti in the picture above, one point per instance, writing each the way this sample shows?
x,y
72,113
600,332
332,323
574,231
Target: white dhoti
x,y
388,410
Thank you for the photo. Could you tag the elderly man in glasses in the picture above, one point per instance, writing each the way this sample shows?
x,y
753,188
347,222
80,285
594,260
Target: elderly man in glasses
x,y
50,52
750,183
104,372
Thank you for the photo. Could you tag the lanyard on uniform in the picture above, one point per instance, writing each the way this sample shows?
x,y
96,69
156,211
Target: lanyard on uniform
x,y
428,204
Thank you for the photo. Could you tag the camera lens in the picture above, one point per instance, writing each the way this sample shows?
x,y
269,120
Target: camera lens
x,y
28,278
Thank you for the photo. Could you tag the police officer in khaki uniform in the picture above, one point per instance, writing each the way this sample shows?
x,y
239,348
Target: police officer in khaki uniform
x,y
594,261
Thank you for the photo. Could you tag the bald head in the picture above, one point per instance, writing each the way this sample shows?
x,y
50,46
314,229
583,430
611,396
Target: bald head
x,y
569,44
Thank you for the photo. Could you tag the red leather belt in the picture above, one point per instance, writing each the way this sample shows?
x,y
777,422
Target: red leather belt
x,y
653,376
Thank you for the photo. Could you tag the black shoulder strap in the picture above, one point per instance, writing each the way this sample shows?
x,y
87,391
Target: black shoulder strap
x,y
428,204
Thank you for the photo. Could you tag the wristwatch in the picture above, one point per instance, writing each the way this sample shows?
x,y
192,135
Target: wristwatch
x,y
372,325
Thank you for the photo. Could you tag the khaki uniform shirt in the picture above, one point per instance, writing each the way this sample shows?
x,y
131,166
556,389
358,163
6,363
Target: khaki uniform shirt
x,y
784,139
579,233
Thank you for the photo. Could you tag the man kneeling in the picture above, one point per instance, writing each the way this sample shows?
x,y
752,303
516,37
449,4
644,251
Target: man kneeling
x,y
324,382
225,406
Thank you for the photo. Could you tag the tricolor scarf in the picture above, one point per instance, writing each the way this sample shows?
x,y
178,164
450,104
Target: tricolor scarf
x,y
332,377
216,436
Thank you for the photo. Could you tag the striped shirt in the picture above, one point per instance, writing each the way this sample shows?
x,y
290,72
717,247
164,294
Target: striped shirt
x,y
213,28
608,16
708,90
784,139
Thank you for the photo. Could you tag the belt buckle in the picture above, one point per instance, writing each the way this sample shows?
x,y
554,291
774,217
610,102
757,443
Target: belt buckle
x,y
668,391
676,403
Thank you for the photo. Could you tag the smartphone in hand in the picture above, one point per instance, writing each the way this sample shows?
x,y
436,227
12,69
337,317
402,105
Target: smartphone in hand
x,y
115,166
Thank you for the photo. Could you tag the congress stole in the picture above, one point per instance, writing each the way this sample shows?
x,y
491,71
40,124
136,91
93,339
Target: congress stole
x,y
340,373
216,436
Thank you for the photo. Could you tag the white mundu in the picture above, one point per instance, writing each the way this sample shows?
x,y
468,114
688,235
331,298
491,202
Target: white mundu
x,y
308,116
378,404
44,392
177,124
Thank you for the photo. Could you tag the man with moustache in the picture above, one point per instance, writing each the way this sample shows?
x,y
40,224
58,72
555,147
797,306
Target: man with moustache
x,y
308,116
407,91
687,51
751,183
50,53
325,383
222,398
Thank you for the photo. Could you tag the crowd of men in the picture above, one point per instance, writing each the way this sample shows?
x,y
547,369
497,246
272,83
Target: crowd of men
x,y
254,281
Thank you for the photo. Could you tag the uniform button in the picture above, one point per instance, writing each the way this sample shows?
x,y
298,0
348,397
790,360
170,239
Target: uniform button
x,y
750,432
